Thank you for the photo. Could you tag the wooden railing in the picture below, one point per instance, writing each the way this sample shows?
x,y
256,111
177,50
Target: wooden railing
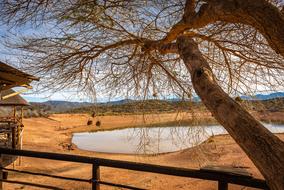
x,y
222,178
11,119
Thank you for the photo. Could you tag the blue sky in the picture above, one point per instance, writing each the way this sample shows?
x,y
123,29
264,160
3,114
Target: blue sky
x,y
66,95
8,56
42,97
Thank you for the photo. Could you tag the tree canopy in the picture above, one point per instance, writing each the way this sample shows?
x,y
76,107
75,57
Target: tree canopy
x,y
129,45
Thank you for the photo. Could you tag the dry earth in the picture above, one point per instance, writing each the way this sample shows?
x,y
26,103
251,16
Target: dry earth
x,y
54,135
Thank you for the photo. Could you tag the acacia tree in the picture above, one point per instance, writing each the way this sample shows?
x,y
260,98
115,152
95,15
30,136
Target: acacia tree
x,y
217,47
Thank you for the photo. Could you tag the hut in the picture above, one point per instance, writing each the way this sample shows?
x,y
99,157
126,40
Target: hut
x,y
11,125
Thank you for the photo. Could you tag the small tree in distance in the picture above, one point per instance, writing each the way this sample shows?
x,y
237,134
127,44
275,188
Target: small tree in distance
x,y
216,47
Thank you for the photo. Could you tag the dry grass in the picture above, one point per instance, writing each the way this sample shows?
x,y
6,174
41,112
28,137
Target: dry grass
x,y
68,123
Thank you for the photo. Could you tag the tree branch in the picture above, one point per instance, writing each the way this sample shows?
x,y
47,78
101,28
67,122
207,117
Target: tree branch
x,y
260,14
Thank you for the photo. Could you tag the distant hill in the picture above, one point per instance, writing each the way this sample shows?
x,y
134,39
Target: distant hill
x,y
138,106
274,101
66,103
159,106
55,106
118,102
271,105
126,106
256,97
264,96
59,106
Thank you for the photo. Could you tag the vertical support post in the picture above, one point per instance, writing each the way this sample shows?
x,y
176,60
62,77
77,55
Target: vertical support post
x,y
22,114
21,145
15,114
18,136
95,177
222,185
1,173
14,138
21,132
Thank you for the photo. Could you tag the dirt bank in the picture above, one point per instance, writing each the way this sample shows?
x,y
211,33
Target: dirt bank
x,y
53,135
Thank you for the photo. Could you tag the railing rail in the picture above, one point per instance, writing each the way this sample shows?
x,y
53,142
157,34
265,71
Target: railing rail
x,y
222,178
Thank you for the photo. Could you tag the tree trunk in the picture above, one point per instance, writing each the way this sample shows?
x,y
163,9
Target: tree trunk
x,y
262,147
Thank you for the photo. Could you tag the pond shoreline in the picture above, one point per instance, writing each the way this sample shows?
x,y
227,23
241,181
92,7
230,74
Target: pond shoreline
x,y
151,140
205,119
47,135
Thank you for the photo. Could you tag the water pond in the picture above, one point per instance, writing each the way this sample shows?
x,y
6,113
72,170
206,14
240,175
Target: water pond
x,y
151,140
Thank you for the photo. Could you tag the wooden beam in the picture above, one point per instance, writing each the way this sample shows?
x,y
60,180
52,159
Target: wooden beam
x,y
13,94
14,78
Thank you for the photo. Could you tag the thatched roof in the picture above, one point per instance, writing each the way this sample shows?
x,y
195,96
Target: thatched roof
x,y
16,100
11,77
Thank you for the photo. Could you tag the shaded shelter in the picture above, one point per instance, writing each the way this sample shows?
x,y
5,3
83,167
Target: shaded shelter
x,y
11,125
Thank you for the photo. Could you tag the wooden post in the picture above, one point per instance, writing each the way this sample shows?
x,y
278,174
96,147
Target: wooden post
x,y
15,114
1,173
222,185
21,145
95,177
14,138
21,134
18,136
22,114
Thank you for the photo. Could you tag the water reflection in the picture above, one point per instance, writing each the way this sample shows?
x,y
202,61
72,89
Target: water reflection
x,y
151,140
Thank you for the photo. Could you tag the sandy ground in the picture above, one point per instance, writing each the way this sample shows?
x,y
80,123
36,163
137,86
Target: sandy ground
x,y
54,135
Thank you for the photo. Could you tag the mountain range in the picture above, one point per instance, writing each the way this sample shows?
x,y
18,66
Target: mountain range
x,y
264,96
67,105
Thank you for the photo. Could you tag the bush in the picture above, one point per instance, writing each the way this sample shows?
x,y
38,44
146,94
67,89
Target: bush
x,y
90,122
98,123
